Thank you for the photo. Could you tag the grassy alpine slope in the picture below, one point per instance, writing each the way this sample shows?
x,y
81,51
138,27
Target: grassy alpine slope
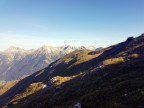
x,y
110,78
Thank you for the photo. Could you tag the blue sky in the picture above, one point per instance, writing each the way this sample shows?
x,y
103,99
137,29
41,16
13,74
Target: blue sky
x,y
33,23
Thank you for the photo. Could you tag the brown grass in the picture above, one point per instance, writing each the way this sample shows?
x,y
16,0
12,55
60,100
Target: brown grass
x,y
113,61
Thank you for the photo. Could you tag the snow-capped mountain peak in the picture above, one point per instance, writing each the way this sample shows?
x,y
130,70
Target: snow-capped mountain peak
x,y
16,62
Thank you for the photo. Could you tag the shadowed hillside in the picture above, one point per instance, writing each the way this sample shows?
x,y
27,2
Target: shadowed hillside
x,y
108,78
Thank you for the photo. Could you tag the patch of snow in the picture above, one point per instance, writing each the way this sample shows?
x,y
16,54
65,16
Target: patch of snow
x,y
77,105
44,86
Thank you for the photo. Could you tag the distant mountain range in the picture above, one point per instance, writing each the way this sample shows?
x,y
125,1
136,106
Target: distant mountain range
x,y
16,63
112,77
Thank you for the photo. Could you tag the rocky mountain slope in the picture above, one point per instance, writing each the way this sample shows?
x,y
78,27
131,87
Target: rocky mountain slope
x,y
16,63
108,78
2,83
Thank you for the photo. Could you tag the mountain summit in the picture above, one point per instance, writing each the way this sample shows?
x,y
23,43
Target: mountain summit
x,y
108,78
16,62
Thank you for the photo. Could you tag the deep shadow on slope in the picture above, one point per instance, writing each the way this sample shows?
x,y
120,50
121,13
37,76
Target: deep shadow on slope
x,y
22,85
108,53
61,71
119,86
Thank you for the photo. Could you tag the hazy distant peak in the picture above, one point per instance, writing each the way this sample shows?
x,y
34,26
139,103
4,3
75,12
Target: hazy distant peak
x,y
20,62
69,48
82,47
13,49
45,47
91,47
88,47
66,46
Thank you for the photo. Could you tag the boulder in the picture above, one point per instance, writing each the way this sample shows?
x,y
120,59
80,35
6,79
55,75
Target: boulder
x,y
77,105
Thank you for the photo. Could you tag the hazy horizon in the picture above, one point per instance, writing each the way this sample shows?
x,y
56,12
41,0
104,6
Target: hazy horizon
x,y
31,48
33,23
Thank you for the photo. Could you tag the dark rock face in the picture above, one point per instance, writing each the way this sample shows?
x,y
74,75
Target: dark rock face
x,y
130,39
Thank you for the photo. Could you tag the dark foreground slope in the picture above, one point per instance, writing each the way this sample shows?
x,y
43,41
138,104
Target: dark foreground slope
x,y
110,78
